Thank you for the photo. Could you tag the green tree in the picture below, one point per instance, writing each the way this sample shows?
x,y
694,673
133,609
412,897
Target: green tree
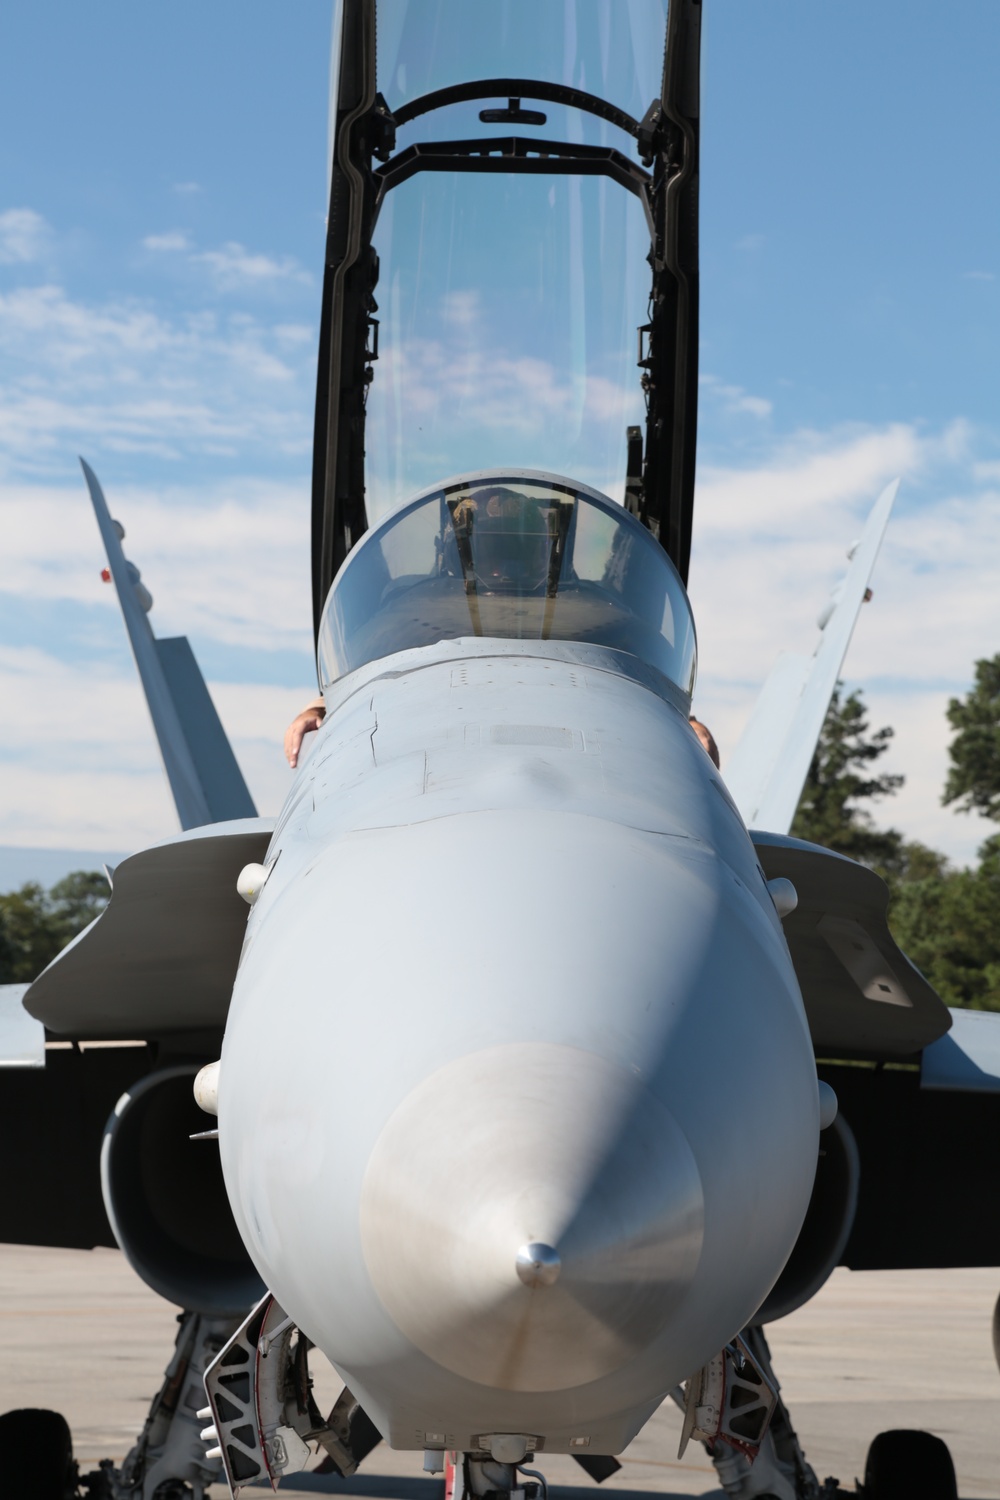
x,y
36,924
76,900
27,942
974,779
946,923
842,779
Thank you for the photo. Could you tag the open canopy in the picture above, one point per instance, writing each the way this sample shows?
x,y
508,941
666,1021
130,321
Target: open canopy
x,y
511,268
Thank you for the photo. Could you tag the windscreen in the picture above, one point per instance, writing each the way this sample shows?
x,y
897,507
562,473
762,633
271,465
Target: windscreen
x,y
512,556
508,303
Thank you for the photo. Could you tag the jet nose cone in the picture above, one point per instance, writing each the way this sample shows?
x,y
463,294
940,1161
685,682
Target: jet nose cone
x,y
538,1264
531,1217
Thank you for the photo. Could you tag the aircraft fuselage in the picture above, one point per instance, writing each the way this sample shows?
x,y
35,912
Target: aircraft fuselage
x,y
515,980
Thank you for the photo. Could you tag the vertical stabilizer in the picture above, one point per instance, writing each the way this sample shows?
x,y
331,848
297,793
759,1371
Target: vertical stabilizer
x,y
204,777
767,770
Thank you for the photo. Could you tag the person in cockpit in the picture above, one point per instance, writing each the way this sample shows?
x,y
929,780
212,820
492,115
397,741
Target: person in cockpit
x,y
512,557
507,542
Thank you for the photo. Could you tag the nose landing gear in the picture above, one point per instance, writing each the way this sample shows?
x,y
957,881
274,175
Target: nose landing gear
x,y
479,1476
901,1464
166,1463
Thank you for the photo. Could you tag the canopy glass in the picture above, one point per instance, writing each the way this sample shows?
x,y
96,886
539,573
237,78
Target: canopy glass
x,y
514,555
612,48
508,303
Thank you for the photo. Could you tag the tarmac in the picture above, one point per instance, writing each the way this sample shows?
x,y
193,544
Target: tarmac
x,y
81,1333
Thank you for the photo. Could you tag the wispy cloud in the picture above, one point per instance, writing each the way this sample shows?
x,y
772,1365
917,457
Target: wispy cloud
x,y
980,276
97,781
802,482
173,240
232,266
24,236
188,189
734,398
461,309
770,543
235,266
294,333
127,376
750,242
229,564
473,394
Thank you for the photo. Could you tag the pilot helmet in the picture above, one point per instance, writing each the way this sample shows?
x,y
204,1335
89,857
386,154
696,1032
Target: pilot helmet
x,y
510,537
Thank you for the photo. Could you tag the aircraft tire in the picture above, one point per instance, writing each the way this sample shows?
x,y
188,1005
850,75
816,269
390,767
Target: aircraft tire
x,y
36,1455
904,1462
996,1333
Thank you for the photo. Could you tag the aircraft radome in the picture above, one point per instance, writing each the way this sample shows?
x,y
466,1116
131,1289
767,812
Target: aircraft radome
x,y
513,1060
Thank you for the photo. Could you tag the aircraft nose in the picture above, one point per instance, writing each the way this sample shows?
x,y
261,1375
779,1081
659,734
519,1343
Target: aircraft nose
x,y
538,1265
531,1216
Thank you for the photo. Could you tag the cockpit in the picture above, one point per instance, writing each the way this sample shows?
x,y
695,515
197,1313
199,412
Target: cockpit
x,y
509,555
526,297
511,278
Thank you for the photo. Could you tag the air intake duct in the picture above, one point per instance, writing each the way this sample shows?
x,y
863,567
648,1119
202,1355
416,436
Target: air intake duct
x,y
166,1199
826,1228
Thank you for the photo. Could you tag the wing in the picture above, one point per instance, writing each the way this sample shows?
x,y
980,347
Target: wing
x,y
767,770
863,997
917,1084
929,1149
205,779
161,958
968,1058
146,983
156,968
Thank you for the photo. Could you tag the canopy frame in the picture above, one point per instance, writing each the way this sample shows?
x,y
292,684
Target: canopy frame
x,y
659,486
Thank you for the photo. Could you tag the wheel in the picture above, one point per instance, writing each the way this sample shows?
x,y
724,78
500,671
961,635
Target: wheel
x,y
996,1333
36,1456
904,1464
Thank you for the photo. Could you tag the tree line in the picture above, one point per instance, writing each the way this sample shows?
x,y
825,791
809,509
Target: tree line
x,y
36,924
947,920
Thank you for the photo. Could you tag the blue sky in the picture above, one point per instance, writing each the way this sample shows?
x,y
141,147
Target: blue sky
x,y
850,218
162,185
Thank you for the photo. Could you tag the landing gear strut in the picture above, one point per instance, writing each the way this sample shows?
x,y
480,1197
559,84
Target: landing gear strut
x,y
479,1476
774,1467
168,1460
900,1465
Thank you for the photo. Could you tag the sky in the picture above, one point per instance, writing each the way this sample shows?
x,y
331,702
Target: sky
x,y
162,202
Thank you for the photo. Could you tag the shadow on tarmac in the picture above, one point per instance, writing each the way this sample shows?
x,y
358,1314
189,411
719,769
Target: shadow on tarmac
x,y
402,1487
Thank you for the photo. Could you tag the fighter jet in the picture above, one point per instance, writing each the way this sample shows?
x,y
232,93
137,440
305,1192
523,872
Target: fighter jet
x,y
513,1060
